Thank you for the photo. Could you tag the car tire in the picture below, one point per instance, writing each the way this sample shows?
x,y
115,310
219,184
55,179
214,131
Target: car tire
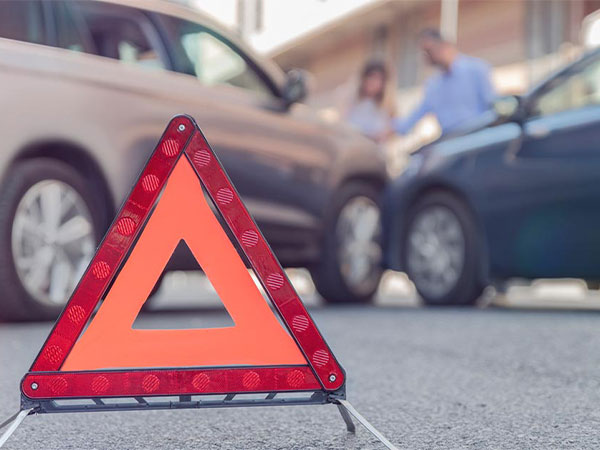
x,y
29,185
333,276
442,252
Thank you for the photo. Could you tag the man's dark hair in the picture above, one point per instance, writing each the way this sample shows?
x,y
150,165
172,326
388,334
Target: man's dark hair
x,y
431,33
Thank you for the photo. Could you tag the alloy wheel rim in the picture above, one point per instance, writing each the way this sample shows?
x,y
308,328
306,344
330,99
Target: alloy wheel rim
x,y
436,251
358,233
52,241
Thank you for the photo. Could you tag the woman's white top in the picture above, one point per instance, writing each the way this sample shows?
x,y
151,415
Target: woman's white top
x,y
368,117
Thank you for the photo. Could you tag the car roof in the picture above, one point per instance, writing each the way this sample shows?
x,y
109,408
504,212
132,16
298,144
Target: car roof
x,y
171,8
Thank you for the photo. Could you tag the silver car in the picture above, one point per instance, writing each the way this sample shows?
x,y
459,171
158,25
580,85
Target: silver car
x,y
86,90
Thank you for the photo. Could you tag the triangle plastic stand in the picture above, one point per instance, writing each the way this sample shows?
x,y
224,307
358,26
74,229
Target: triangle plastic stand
x,y
100,357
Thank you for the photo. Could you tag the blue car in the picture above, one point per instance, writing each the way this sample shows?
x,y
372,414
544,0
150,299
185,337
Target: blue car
x,y
515,196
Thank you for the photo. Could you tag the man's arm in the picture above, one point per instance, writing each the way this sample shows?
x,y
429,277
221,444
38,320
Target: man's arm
x,y
404,125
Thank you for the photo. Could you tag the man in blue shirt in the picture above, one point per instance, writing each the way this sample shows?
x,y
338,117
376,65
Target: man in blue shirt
x,y
459,93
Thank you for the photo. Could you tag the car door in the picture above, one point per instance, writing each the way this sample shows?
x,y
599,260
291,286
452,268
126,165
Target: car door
x,y
277,160
550,189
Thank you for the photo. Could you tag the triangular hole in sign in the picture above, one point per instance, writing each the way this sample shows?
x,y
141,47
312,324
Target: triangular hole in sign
x,y
257,338
190,295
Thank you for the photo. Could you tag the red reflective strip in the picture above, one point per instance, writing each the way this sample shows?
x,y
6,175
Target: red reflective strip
x,y
114,247
168,382
267,268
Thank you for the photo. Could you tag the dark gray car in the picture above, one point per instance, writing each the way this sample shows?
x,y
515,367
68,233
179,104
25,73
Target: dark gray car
x,y
87,88
513,196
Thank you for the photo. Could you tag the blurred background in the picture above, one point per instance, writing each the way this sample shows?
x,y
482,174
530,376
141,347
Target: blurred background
x,y
523,40
449,144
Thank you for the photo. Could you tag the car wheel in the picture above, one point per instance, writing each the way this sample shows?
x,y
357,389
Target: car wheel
x,y
49,228
350,266
441,251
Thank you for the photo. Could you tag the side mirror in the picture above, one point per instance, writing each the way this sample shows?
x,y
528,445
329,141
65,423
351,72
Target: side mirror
x,y
295,88
508,108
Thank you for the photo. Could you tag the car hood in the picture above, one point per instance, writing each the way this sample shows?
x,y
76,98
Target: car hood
x,y
483,122
479,134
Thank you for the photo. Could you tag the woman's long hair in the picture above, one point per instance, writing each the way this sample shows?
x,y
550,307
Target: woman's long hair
x,y
370,68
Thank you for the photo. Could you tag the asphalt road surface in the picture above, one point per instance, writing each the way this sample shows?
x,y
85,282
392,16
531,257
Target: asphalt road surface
x,y
492,377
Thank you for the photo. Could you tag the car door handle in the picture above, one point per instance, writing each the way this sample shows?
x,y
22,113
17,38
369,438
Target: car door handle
x,y
538,131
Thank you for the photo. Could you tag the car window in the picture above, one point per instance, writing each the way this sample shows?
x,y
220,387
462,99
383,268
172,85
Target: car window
x,y
200,53
118,32
22,20
570,91
71,32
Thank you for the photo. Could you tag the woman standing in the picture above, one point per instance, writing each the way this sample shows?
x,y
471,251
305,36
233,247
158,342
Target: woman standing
x,y
367,114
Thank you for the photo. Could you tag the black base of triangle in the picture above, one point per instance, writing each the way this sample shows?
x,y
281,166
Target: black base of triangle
x,y
29,407
180,402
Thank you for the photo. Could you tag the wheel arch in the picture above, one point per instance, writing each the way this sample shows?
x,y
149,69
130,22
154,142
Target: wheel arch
x,y
439,186
373,179
79,159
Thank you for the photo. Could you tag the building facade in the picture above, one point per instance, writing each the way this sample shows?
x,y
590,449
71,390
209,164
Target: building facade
x,y
523,40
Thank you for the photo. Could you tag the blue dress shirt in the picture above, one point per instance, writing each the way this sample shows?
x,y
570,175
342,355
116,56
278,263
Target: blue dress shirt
x,y
455,96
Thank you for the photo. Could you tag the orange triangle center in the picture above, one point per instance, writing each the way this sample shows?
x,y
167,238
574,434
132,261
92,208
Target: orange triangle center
x,y
110,342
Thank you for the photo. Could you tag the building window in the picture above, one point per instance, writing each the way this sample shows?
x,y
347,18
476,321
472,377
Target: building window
x,y
22,20
409,59
546,26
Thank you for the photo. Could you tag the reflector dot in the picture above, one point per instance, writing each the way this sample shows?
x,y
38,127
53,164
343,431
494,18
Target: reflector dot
x,y
224,196
300,323
53,353
150,383
201,158
126,226
249,238
295,378
150,183
200,382
251,380
170,147
58,385
320,358
275,281
100,270
76,313
100,384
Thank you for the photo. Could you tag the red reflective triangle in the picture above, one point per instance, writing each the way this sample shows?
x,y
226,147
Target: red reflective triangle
x,y
109,358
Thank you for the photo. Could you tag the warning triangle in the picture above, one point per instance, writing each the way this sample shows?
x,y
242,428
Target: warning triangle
x,y
257,337
102,355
